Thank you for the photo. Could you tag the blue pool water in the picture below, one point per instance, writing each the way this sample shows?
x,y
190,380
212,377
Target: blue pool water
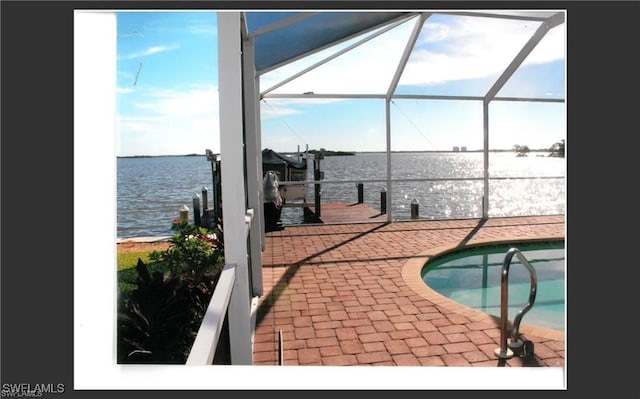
x,y
472,277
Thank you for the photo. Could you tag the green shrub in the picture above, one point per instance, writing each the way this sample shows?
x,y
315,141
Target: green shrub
x,y
127,278
159,319
193,250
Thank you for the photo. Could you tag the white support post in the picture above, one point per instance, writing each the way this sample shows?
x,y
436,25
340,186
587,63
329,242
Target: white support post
x,y
485,151
391,89
254,164
233,194
387,107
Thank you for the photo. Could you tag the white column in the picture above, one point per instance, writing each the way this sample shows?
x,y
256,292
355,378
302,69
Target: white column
x,y
233,190
387,108
485,163
254,164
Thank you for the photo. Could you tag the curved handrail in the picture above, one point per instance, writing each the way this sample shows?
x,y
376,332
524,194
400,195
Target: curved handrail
x,y
504,301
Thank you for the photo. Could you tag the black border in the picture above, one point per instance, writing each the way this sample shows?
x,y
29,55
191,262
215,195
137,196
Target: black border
x,y
37,254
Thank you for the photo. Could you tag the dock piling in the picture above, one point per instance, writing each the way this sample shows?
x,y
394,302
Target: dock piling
x,y
196,209
414,209
184,214
205,199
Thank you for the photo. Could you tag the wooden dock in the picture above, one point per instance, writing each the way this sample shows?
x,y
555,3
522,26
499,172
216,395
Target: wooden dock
x,y
348,213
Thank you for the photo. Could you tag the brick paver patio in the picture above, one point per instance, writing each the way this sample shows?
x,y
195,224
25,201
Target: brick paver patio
x,y
352,295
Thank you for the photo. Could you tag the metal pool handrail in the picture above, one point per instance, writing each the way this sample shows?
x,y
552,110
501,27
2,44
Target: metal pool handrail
x,y
503,352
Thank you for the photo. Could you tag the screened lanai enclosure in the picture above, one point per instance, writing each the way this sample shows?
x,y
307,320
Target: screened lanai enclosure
x,y
487,86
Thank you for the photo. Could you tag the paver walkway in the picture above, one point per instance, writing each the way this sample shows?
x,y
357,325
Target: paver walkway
x,y
352,295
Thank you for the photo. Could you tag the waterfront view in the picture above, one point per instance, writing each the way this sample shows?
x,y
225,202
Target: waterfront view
x,y
151,190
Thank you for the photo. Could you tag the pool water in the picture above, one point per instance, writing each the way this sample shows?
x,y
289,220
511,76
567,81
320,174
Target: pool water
x,y
472,277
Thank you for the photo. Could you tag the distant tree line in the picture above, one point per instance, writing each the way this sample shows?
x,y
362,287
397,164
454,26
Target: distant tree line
x,y
556,150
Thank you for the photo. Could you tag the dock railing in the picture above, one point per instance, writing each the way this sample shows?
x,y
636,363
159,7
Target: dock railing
x,y
384,194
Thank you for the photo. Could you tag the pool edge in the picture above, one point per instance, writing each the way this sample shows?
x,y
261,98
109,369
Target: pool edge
x,y
412,276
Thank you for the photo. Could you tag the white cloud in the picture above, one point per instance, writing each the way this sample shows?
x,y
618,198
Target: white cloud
x,y
366,69
124,90
448,49
150,51
551,47
275,110
163,115
191,102
139,123
204,29
434,32
466,48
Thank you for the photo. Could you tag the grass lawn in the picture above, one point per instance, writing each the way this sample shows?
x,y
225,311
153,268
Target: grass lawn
x,y
127,273
128,260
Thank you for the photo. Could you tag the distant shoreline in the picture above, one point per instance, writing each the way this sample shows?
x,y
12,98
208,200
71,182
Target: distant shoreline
x,y
158,156
343,153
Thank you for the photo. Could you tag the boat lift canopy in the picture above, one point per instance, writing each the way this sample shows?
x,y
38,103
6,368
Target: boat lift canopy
x,y
270,157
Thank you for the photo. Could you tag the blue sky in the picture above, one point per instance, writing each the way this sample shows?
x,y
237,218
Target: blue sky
x,y
167,98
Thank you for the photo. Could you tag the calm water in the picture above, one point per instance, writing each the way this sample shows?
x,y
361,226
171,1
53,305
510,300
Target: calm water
x,y
150,191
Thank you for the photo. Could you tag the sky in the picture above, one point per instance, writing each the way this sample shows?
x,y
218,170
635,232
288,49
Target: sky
x,y
167,89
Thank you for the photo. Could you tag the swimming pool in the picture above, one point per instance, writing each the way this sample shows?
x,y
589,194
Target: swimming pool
x,y
472,277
